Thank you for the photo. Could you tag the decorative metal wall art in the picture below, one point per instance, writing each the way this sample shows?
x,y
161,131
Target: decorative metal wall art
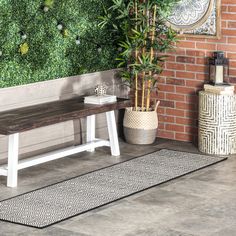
x,y
197,18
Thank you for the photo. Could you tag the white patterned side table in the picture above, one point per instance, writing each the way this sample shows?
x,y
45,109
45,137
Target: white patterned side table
x,y
217,123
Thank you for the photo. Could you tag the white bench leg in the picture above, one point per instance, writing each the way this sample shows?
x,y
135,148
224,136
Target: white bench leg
x,y
13,149
90,135
113,136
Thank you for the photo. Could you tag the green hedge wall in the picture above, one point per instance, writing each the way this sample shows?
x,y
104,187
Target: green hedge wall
x,y
52,53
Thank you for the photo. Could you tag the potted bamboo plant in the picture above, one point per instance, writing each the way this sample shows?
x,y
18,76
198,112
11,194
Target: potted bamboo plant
x,y
139,28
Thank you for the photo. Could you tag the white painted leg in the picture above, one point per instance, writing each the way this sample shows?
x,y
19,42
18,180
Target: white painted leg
x,y
90,130
13,149
113,136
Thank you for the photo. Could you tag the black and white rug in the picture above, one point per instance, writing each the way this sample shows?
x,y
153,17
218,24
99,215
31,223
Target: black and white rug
x,y
52,204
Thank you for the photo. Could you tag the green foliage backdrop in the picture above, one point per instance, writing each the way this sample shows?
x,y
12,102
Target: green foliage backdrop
x,y
51,54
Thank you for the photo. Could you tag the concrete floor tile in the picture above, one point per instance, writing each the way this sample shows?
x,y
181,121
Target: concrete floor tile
x,y
221,208
194,224
158,231
96,224
167,199
225,232
52,231
117,219
9,229
197,188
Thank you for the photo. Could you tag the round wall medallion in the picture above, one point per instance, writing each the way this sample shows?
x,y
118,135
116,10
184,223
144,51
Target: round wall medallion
x,y
190,14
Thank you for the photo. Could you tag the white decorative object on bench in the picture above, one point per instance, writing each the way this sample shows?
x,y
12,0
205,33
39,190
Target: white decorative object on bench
x,y
103,99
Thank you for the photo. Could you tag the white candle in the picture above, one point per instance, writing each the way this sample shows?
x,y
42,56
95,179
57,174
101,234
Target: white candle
x,y
219,74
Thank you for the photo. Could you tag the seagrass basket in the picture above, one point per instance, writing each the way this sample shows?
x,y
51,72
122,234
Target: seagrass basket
x,y
140,127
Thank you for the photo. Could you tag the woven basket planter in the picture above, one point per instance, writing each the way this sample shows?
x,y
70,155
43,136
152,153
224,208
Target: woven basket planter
x,y
140,127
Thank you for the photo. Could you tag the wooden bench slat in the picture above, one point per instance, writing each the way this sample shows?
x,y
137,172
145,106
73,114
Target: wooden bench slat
x,y
27,118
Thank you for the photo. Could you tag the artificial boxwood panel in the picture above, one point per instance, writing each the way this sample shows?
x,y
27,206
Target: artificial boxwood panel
x,y
52,53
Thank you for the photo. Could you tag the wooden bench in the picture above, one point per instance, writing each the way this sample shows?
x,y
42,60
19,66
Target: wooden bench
x,y
13,122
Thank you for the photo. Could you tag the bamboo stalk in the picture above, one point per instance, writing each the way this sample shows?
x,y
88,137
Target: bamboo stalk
x,y
143,74
136,57
151,57
143,89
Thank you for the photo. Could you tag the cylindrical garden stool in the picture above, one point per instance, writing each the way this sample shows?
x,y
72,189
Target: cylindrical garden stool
x,y
217,123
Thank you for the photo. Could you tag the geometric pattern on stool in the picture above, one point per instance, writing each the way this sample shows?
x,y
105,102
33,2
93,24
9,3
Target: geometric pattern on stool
x,y
217,123
49,205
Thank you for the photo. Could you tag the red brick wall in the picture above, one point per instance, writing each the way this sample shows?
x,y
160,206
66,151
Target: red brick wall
x,y
185,73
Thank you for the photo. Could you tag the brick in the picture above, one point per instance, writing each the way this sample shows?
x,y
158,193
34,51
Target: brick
x,y
228,32
228,16
232,24
232,72
175,66
165,134
231,55
165,118
175,81
175,97
203,77
206,46
168,73
231,9
172,58
160,79
196,53
223,24
174,112
185,75
226,79
161,125
177,51
232,64
165,103
228,2
194,83
177,128
231,40
154,95
232,80
160,110
185,106
224,8
196,68
208,53
202,61
184,137
186,44
185,90
185,59
216,40
185,121
166,88
230,48
160,95
195,39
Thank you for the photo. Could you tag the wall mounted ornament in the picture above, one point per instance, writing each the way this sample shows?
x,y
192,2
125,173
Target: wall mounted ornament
x,y
197,18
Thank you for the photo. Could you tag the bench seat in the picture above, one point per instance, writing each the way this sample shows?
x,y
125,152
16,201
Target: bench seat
x,y
36,116
15,121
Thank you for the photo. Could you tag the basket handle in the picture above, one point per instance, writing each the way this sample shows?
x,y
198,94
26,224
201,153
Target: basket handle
x,y
157,104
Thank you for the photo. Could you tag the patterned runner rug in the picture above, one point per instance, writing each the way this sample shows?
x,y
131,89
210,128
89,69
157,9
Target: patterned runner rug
x,y
52,204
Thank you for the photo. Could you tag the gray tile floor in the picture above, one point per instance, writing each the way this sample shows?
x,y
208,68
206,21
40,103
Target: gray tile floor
x,y
199,204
